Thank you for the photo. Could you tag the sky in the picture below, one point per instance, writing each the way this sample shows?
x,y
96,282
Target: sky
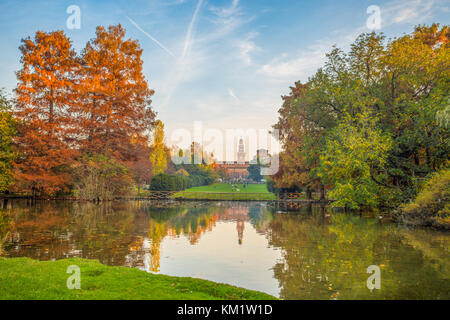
x,y
219,65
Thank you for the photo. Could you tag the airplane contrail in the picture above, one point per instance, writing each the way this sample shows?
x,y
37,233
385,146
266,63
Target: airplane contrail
x,y
188,40
176,75
150,36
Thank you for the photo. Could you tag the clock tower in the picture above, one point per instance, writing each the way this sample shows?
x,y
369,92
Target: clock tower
x,y
241,152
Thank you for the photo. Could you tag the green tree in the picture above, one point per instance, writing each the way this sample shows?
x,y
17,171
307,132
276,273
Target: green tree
x,y
404,83
7,132
355,154
254,171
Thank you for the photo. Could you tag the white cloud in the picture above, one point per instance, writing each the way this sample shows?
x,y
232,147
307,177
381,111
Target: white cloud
x,y
233,95
226,12
299,67
246,48
408,11
225,19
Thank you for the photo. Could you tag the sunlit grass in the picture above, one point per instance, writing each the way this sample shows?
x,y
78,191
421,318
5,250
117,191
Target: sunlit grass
x,y
224,191
24,278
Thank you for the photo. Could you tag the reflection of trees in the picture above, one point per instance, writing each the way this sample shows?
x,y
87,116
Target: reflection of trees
x,y
260,216
325,256
6,225
111,228
328,260
191,222
116,233
55,230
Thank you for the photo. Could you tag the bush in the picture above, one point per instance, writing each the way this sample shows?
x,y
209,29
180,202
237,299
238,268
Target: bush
x,y
200,175
169,182
431,206
186,176
271,186
101,178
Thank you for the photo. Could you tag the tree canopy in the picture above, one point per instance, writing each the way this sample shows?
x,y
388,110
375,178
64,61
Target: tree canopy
x,y
371,122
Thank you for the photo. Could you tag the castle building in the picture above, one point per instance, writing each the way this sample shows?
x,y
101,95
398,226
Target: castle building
x,y
241,152
237,170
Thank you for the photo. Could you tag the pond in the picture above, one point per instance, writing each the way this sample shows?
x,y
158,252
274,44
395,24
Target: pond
x,y
311,252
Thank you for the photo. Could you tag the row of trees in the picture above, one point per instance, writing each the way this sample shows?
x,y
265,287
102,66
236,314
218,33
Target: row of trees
x,y
80,118
372,123
185,177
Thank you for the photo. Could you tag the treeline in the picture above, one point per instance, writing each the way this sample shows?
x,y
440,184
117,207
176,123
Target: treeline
x,y
187,176
79,122
371,126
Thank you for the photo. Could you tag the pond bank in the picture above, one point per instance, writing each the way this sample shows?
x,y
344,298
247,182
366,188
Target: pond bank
x,y
25,278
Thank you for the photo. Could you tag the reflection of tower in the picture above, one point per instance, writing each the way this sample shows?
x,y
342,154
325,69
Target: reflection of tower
x,y
241,152
240,225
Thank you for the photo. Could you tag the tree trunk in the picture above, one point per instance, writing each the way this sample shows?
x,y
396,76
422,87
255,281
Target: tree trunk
x,y
309,209
322,192
308,194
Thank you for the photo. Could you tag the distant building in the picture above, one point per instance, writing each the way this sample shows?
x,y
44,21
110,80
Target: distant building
x,y
237,170
241,152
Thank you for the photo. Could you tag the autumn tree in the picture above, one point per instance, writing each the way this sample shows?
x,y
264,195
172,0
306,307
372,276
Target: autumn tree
x,y
44,95
158,155
113,113
114,95
139,162
295,166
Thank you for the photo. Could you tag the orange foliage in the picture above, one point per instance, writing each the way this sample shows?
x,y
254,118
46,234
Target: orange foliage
x,y
44,95
98,103
114,95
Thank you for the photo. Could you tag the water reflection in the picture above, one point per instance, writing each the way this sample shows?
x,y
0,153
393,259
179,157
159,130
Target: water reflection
x,y
309,253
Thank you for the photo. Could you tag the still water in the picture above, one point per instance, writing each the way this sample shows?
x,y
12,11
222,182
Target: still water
x,y
306,253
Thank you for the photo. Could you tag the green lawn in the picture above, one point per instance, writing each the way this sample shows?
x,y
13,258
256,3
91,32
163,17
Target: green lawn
x,y
223,191
24,278
225,187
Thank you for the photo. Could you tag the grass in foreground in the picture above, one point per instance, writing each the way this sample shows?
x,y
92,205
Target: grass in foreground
x,y
24,278
223,191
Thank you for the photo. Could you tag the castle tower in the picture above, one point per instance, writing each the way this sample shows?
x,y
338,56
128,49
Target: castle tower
x,y
241,152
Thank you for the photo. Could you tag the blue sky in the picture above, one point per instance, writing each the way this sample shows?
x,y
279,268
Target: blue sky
x,y
225,63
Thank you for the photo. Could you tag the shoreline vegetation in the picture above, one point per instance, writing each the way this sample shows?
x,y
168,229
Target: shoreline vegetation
x,y
371,126
28,279
368,129
431,207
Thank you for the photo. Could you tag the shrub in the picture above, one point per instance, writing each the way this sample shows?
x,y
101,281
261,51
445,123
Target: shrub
x,y
169,182
431,206
101,178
